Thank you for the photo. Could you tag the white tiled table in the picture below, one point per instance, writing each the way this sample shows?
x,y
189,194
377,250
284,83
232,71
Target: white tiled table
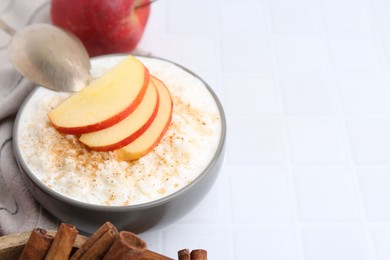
x,y
306,89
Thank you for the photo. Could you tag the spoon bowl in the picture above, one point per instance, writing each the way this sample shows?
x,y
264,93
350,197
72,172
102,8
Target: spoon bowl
x,y
51,57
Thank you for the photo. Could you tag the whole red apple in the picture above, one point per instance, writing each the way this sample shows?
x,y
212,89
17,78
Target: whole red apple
x,y
104,26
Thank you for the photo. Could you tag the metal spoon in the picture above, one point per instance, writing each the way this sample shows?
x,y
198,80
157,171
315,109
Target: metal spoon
x,y
49,57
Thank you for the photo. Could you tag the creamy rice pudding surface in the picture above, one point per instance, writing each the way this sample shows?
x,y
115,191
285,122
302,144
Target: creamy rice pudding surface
x,y
65,165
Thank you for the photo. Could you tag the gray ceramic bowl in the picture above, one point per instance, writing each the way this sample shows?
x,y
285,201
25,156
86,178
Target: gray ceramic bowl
x,y
136,218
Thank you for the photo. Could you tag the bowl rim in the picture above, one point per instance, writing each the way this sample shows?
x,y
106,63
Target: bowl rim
x,y
141,206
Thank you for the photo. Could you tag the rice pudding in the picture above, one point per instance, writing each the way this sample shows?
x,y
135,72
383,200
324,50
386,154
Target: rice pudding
x,y
68,167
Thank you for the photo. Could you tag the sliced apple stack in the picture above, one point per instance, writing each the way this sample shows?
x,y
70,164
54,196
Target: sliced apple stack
x,y
126,110
152,136
127,130
105,101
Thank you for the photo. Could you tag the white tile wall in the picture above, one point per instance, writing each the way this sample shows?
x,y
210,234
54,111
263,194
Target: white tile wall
x,y
255,142
382,22
374,183
370,140
276,242
364,95
300,54
254,20
381,236
336,20
257,96
322,199
306,89
351,53
338,242
298,16
316,142
245,53
185,17
307,96
268,188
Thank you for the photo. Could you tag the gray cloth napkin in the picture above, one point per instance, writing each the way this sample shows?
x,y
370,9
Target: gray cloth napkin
x,y
19,211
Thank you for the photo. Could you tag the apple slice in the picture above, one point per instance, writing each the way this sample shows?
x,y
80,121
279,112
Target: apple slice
x,y
129,129
105,101
152,136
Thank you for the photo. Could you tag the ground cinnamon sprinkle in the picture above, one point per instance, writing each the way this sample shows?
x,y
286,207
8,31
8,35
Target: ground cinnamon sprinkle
x,y
69,167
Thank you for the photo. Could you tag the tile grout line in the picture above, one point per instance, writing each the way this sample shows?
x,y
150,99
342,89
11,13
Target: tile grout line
x,y
287,165
379,47
227,179
346,142
381,56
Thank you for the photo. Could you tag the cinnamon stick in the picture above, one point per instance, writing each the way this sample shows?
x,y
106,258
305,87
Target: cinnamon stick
x,y
90,245
100,248
125,242
198,254
129,246
37,245
184,254
63,243
142,255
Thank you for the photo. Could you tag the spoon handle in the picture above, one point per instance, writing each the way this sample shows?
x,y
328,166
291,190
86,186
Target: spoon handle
x,y
5,27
